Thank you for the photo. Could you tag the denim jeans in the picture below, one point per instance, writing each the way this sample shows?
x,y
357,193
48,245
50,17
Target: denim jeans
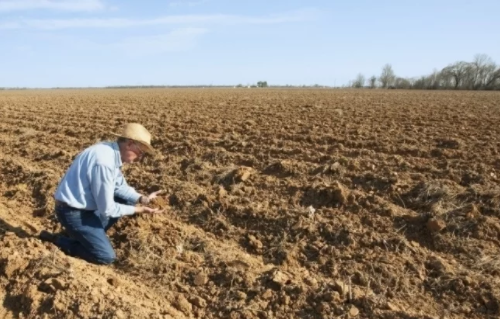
x,y
88,239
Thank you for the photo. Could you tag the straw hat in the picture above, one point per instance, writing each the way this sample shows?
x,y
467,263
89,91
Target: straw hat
x,y
137,132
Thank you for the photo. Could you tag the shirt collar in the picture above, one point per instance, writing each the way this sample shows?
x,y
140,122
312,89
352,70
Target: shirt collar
x,y
118,157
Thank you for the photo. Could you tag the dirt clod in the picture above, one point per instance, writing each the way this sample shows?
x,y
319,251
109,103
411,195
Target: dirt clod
x,y
341,287
120,314
436,225
113,281
198,301
255,243
281,278
183,305
268,294
200,279
353,312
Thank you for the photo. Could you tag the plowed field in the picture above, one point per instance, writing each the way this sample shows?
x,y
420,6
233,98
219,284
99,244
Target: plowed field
x,y
280,204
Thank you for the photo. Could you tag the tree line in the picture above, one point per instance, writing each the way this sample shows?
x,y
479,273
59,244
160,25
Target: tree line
x,y
480,74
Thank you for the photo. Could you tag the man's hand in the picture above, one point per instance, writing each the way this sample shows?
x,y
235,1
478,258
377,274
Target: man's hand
x,y
145,200
148,210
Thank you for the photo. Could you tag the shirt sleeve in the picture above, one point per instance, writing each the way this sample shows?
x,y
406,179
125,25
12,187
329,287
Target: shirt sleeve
x,y
102,187
124,191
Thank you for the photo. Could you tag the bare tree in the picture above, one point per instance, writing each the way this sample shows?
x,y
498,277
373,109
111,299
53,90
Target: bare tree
x,y
482,65
420,83
402,83
480,74
493,80
469,77
387,77
359,81
373,82
435,80
457,71
486,71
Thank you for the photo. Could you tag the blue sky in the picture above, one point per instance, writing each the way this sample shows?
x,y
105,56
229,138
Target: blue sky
x,y
92,43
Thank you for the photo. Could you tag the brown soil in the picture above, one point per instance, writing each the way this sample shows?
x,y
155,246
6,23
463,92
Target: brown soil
x,y
279,204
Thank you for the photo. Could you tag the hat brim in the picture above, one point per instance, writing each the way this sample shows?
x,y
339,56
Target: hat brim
x,y
149,148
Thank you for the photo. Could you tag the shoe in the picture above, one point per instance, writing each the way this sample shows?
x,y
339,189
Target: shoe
x,y
48,237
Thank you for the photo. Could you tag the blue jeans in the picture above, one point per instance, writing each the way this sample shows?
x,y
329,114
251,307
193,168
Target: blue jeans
x,y
88,234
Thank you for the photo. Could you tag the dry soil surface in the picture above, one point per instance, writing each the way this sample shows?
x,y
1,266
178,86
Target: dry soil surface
x,y
279,204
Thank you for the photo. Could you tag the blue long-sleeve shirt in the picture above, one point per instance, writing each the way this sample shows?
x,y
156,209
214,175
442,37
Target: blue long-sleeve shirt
x,y
94,179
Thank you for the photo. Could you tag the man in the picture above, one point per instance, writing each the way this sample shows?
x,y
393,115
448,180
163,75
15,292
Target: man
x,y
93,195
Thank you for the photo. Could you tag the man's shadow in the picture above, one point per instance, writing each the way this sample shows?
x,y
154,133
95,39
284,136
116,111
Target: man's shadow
x,y
20,232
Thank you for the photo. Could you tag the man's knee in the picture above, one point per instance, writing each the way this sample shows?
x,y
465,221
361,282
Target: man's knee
x,y
105,257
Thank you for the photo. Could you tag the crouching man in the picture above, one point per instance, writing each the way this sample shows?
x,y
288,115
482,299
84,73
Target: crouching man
x,y
93,195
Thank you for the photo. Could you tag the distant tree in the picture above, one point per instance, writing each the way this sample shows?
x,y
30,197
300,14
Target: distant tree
x,y
402,83
493,80
262,84
421,83
239,85
434,80
359,81
484,70
387,77
373,82
457,72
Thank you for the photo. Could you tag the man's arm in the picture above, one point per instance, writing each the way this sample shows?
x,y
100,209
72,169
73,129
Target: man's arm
x,y
124,191
103,190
